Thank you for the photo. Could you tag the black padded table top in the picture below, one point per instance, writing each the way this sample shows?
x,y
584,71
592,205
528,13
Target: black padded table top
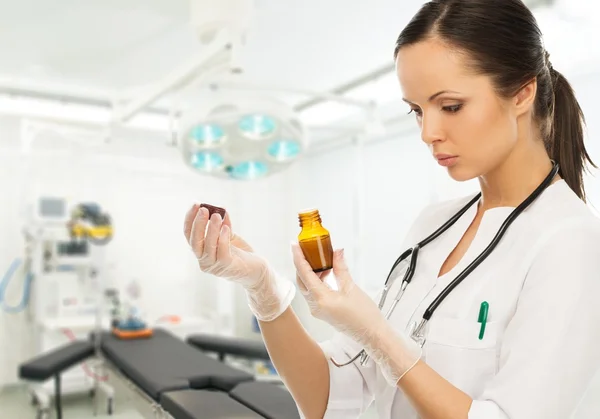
x,y
229,345
164,362
54,362
204,404
270,400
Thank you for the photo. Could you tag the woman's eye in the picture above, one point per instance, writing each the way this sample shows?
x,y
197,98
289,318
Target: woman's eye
x,y
453,108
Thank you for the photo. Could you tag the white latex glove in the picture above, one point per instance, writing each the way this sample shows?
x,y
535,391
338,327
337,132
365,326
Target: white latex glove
x,y
223,254
352,312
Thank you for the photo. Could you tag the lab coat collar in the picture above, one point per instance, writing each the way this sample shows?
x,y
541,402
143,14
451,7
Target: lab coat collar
x,y
489,226
490,223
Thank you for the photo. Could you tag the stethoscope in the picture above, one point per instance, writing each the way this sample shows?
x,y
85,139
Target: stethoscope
x,y
418,332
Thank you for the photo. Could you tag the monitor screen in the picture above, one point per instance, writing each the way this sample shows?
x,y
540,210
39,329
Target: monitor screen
x,y
52,208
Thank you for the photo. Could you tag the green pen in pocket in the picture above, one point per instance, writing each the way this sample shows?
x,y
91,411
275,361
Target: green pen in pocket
x,y
483,314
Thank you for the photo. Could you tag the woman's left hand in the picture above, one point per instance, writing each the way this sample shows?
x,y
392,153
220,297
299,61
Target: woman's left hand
x,y
348,309
351,311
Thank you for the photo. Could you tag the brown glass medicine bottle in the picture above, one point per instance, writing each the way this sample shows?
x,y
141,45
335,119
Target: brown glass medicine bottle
x,y
315,241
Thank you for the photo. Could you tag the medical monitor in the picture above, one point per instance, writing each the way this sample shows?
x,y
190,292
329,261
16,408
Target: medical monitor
x,y
52,209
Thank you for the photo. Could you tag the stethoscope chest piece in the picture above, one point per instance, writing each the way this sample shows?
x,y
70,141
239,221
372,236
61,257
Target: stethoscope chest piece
x,y
411,329
417,333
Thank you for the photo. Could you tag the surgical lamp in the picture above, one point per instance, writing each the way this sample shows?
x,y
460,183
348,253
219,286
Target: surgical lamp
x,y
241,136
245,134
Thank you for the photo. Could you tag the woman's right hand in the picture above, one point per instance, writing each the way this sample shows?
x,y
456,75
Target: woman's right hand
x,y
219,251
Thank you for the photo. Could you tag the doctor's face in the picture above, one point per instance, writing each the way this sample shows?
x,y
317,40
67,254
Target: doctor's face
x,y
468,127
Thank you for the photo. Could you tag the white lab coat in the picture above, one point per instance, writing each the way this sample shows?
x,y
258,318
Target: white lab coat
x,y
541,346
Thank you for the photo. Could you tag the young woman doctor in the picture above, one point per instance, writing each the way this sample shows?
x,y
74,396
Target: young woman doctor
x,y
490,106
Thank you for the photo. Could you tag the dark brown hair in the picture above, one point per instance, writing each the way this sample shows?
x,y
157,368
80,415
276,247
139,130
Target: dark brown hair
x,y
503,40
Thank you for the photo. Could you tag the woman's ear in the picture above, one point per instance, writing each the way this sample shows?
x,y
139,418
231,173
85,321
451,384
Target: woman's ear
x,y
524,100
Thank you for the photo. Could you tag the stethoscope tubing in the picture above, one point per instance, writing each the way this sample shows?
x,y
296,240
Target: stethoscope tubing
x,y
417,333
488,250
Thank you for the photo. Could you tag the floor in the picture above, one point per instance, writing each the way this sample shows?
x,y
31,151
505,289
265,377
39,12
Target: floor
x,y
16,404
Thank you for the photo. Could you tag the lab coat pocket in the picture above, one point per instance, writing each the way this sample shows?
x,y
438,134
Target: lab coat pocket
x,y
454,350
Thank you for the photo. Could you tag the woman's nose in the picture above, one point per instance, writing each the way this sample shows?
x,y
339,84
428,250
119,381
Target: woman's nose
x,y
431,129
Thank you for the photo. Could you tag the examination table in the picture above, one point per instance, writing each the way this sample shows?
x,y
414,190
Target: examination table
x,y
170,378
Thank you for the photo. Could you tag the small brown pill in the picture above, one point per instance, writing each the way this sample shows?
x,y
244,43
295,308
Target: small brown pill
x,y
212,209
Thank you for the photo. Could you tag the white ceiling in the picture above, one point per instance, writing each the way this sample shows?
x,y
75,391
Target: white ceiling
x,y
103,44
110,45
102,48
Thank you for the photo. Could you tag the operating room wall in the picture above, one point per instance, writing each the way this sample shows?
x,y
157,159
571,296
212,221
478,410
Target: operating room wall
x,y
15,340
142,183
587,89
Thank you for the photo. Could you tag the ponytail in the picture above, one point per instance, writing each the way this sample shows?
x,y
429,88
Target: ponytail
x,y
566,140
